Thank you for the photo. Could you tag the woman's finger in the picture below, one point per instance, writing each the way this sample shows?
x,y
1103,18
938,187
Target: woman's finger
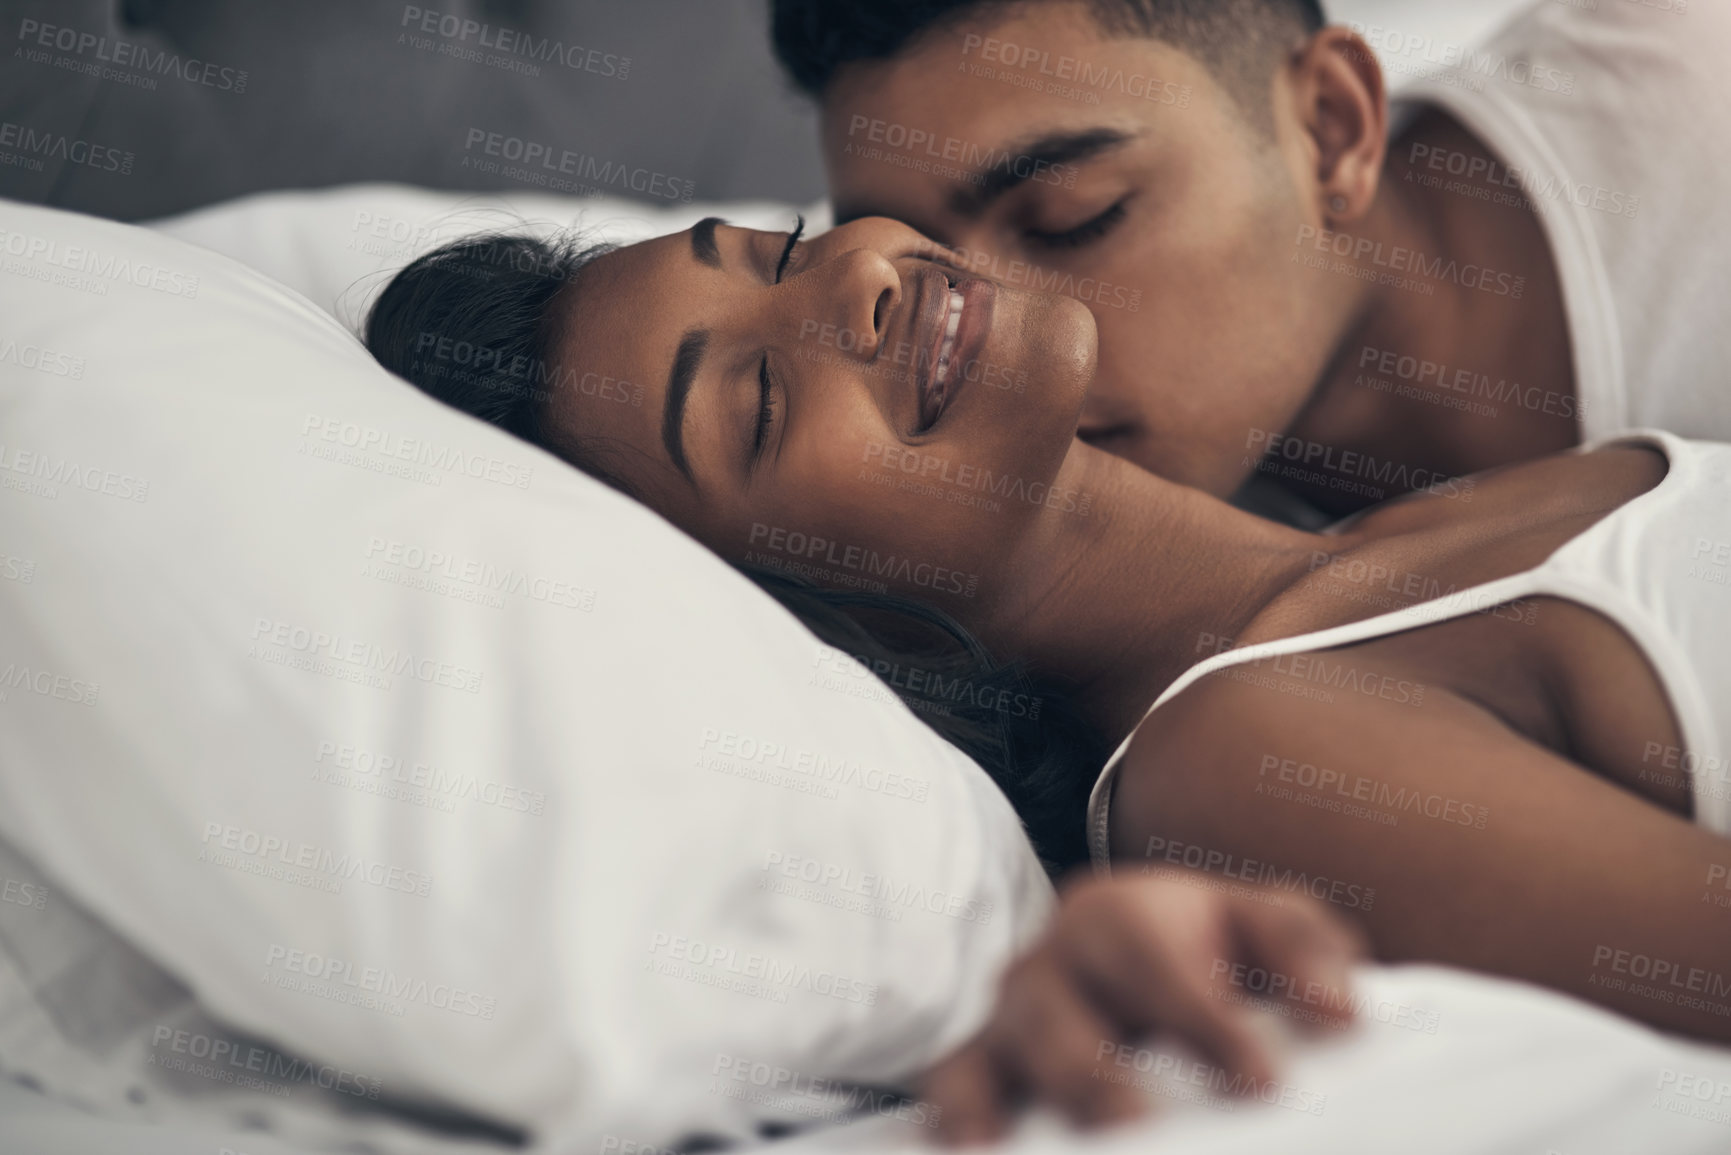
x,y
1054,1038
970,1094
1306,954
1153,961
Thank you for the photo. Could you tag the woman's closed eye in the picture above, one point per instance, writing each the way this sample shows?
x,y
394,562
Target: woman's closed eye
x,y
765,387
765,410
787,252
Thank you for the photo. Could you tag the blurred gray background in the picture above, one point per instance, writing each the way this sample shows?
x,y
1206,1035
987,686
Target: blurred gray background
x,y
140,108
337,91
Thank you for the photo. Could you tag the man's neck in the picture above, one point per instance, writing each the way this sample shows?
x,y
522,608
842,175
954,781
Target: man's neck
x,y
1465,363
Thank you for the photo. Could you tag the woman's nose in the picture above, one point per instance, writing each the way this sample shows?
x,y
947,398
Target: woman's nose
x,y
858,292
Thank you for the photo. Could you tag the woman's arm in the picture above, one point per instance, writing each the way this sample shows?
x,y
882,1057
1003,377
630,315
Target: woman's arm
x,y
1123,958
1482,848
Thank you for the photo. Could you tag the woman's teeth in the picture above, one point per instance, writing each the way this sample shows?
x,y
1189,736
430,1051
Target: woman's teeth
x,y
955,322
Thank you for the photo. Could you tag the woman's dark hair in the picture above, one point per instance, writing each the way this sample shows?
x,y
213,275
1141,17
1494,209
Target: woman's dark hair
x,y
471,323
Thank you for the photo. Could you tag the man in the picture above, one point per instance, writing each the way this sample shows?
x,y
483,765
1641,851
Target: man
x,y
1295,282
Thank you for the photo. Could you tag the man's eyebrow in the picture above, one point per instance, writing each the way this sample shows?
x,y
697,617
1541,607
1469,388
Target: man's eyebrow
x,y
1021,163
679,381
703,241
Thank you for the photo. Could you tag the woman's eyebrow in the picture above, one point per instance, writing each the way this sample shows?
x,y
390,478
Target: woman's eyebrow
x,y
679,382
703,245
689,358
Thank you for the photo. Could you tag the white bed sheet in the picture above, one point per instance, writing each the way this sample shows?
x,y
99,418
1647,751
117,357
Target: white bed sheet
x,y
1511,1070
1508,1070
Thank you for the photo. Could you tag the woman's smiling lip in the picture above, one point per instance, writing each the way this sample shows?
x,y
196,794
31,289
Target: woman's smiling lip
x,y
943,352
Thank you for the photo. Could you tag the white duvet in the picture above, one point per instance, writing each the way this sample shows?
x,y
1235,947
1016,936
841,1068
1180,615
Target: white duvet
x,y
1509,1070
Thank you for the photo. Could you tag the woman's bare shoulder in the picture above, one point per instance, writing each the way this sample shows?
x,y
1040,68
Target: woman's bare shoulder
x,y
1239,727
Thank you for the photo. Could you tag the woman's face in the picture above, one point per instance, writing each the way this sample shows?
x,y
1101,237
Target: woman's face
x,y
853,409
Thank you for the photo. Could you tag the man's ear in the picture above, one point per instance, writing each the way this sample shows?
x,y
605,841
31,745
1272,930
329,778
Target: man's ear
x,y
1338,94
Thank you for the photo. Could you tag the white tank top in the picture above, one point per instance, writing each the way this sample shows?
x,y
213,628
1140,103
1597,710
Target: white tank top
x,y
1658,566
1599,114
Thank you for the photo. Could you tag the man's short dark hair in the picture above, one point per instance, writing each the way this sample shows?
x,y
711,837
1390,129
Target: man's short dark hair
x,y
1237,39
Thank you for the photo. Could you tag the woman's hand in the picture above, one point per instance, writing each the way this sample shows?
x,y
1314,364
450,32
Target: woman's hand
x,y
1125,957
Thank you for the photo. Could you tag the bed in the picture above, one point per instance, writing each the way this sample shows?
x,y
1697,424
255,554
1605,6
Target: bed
x,y
1443,1060
110,978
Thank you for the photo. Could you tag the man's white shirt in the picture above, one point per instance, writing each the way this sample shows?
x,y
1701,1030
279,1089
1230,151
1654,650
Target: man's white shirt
x,y
1613,118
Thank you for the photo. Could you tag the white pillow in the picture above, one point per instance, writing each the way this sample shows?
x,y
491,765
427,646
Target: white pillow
x,y
340,246
310,667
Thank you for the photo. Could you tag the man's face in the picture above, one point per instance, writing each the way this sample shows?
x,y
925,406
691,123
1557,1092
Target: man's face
x,y
1121,172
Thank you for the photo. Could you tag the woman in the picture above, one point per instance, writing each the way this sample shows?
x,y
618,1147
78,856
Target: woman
x,y
1509,758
